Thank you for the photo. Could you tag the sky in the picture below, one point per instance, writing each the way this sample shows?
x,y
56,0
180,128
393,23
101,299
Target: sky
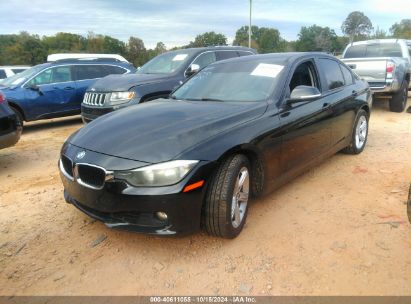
x,y
177,22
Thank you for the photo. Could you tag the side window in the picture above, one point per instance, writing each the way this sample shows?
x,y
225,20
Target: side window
x,y
221,55
90,72
244,53
112,69
347,75
305,75
205,59
332,73
53,75
3,74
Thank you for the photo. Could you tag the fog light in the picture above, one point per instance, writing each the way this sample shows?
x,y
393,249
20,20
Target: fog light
x,y
162,216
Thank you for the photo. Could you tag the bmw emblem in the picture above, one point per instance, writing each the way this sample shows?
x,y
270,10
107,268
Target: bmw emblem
x,y
81,155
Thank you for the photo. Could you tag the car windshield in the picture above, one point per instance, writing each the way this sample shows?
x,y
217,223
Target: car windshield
x,y
21,77
166,63
232,81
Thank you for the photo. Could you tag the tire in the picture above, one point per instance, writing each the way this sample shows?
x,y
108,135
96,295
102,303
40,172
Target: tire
x,y
19,116
226,204
359,134
399,99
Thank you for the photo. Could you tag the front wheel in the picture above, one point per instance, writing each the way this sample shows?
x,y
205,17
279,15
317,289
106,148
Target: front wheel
x,y
359,135
226,203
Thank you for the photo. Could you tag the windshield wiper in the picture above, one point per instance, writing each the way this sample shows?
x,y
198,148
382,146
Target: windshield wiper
x,y
205,99
212,99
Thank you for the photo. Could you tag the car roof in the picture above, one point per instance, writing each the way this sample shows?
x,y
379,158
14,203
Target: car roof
x,y
376,41
84,61
194,51
15,67
278,58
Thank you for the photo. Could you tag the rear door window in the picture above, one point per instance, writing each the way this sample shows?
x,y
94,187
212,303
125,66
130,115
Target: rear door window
x,y
3,74
113,69
332,73
347,75
244,53
91,71
221,55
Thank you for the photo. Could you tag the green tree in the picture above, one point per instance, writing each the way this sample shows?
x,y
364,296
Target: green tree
x,y
208,39
64,42
241,36
356,25
263,39
23,49
160,48
316,38
402,29
113,46
136,51
379,34
95,43
270,41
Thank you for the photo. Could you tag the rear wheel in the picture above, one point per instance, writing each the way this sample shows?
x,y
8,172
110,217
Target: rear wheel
x,y
226,204
399,99
19,116
359,135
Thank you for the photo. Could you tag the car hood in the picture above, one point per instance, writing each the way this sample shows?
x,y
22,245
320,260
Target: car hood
x,y
125,82
160,130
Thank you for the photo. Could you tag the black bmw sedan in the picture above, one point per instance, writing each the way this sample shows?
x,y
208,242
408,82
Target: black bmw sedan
x,y
10,128
235,130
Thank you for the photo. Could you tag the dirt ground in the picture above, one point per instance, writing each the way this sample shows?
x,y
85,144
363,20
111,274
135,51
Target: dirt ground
x,y
339,229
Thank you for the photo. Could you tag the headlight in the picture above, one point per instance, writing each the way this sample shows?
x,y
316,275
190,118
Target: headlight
x,y
121,97
162,174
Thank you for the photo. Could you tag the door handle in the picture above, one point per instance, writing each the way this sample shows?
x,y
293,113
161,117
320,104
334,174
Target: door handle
x,y
326,105
354,93
69,88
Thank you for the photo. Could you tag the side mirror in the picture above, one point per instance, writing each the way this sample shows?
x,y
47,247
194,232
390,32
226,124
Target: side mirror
x,y
138,68
304,93
36,88
194,68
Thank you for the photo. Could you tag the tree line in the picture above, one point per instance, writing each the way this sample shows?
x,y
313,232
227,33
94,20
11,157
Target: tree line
x,y
25,48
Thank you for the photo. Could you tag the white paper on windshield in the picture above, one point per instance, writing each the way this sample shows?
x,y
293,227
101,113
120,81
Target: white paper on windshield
x,y
180,57
18,80
267,70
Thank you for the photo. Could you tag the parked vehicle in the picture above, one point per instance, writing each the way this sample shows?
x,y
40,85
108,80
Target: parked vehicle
x,y
237,129
10,129
386,65
7,71
56,89
156,79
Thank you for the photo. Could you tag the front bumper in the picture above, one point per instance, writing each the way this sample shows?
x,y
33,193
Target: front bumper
x,y
122,206
90,113
10,132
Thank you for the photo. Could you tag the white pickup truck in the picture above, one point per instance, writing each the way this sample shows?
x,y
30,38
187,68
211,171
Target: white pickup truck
x,y
386,65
